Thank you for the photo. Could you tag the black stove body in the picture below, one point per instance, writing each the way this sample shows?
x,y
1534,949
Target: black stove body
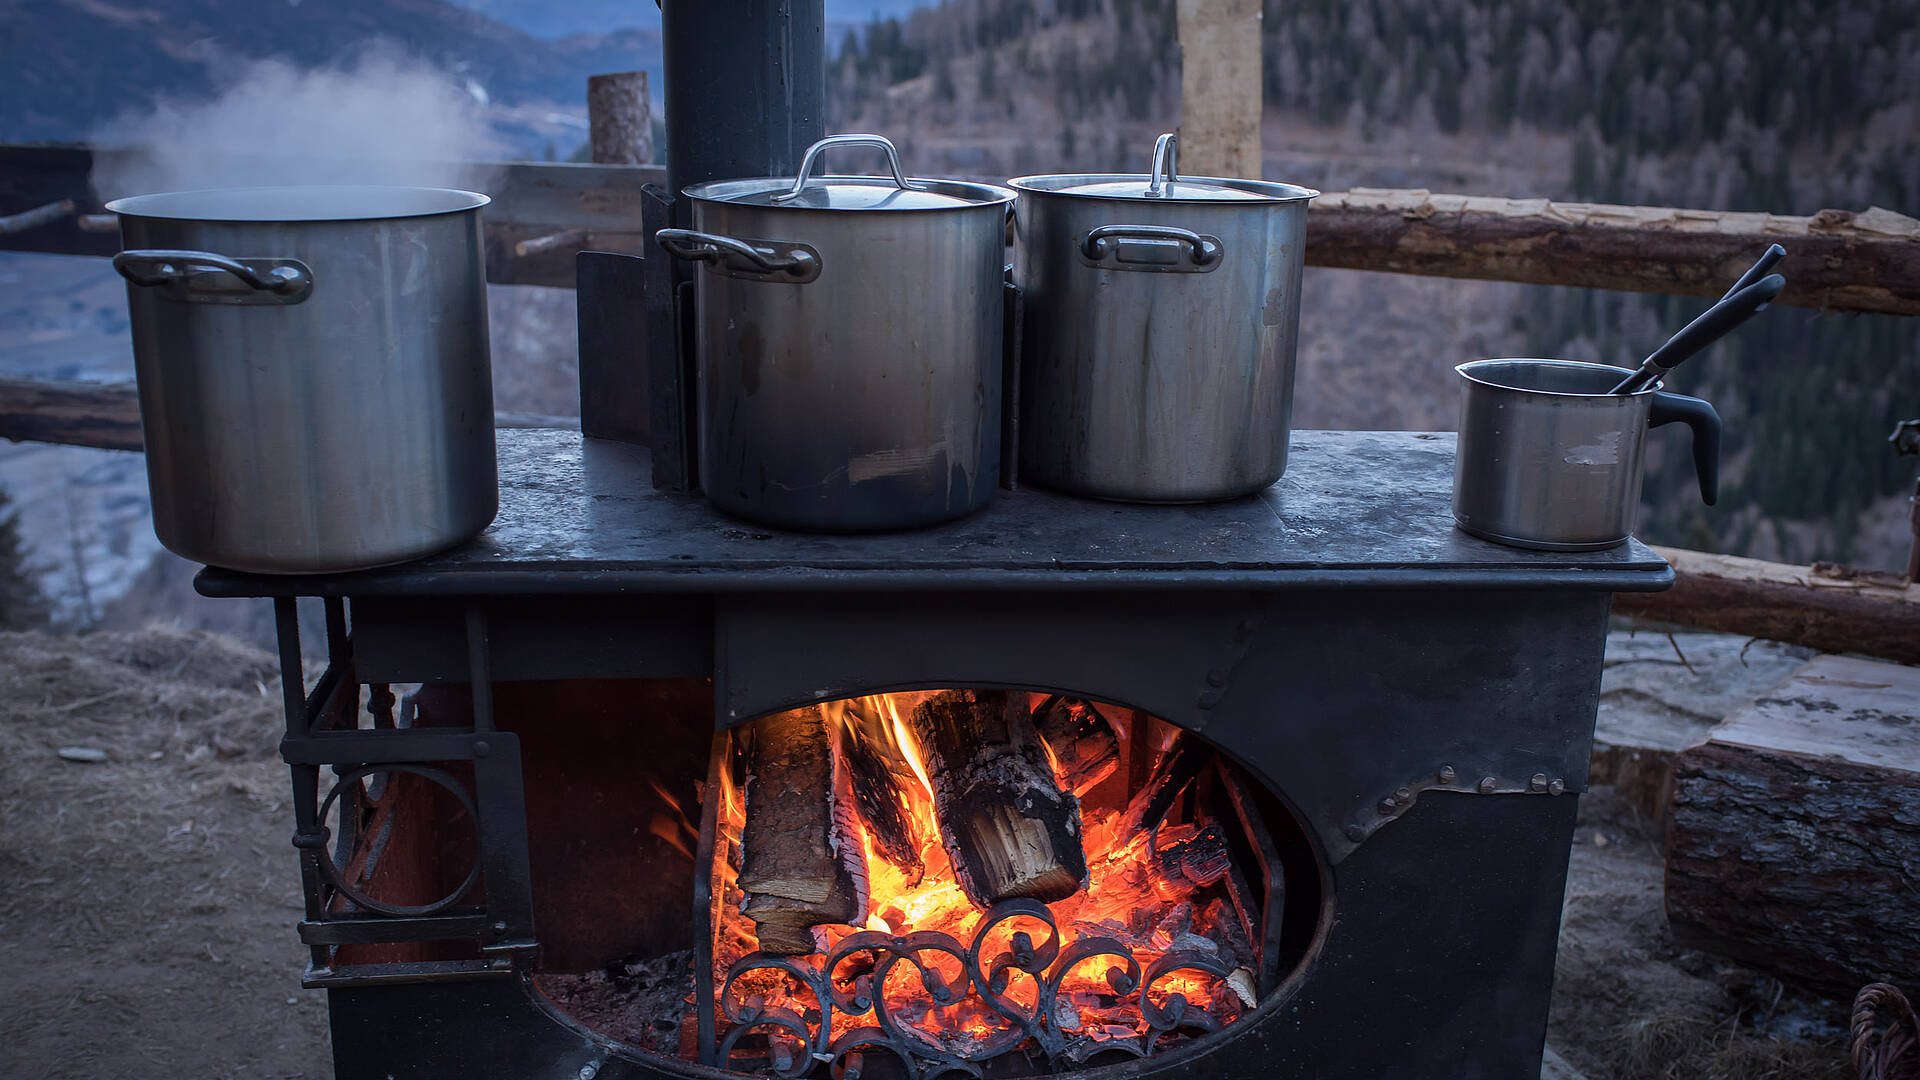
x,y
1422,701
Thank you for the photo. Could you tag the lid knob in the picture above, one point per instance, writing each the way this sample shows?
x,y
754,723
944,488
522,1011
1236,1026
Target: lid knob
x,y
1166,160
813,152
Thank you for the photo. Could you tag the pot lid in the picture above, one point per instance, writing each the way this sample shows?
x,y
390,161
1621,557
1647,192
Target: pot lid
x,y
806,192
1164,184
297,205
1186,189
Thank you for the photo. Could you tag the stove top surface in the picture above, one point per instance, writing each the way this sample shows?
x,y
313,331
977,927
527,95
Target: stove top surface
x,y
1355,508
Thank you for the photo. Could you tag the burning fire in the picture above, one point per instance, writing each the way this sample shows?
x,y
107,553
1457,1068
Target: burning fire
x,y
1131,896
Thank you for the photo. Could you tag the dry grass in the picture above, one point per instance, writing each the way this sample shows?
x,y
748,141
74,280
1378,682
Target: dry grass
x,y
1672,1046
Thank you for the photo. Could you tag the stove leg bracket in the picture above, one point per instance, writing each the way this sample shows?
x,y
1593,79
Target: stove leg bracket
x,y
337,860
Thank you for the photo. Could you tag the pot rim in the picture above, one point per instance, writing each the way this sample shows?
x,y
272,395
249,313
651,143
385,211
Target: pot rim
x,y
254,205
1268,193
1465,373
736,192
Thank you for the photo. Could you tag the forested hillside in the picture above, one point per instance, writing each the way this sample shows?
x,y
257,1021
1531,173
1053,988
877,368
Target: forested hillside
x,y
1787,106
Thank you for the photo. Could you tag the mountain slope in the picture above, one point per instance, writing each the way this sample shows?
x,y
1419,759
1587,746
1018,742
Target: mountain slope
x,y
68,66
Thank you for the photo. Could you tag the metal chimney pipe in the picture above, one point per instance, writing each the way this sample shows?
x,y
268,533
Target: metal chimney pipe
x,y
746,86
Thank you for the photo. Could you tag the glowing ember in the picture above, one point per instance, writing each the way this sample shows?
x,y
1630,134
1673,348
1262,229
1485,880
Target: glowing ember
x,y
1142,901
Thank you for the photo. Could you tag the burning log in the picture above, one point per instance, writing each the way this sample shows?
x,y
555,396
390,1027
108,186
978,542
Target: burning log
x,y
1008,828
878,797
1197,858
802,864
1171,774
1082,741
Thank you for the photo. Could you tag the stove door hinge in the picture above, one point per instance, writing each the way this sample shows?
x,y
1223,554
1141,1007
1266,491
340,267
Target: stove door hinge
x,y
1391,805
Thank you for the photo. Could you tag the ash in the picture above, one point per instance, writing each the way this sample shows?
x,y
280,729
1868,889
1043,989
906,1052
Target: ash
x,y
646,1004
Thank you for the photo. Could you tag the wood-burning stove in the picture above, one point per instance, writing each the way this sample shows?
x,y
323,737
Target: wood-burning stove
x,y
1419,702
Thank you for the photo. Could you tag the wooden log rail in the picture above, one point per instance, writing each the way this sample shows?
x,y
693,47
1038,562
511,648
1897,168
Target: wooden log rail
x,y
1830,609
1836,259
544,213
106,416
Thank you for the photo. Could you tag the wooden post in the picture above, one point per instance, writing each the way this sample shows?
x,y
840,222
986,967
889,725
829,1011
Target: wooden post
x,y
1220,87
620,119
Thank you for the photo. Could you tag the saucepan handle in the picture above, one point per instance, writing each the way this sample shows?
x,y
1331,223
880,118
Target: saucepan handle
x,y
1705,422
204,277
1161,248
761,260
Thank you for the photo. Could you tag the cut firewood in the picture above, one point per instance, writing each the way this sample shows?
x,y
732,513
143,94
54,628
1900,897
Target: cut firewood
x,y
877,795
1008,828
1083,743
1171,775
1793,837
802,863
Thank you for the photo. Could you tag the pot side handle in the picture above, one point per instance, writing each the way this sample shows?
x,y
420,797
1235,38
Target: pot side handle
x,y
1705,422
760,260
1163,248
203,277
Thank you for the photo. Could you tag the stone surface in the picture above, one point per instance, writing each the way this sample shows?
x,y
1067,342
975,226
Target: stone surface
x,y
1661,693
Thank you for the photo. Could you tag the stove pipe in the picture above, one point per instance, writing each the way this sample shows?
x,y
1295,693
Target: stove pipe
x,y
745,86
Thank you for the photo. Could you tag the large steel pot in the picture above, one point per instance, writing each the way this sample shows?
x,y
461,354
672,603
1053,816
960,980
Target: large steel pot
x,y
848,344
1161,317
315,387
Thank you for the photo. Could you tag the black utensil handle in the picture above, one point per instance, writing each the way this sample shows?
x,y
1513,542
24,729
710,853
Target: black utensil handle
x,y
1705,422
1766,262
1716,321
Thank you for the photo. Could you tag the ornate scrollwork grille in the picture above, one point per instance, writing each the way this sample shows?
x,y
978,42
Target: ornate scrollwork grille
x,y
852,985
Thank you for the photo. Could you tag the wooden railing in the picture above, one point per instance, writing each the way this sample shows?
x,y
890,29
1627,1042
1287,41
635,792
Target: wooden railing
x,y
543,214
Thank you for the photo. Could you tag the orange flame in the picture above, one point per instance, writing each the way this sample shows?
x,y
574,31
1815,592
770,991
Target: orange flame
x,y
1127,897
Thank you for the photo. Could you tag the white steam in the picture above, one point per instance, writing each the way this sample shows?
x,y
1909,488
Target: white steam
x,y
388,118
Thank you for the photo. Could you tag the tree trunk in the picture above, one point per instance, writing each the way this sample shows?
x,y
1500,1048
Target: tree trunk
x,y
1794,840
1008,828
802,863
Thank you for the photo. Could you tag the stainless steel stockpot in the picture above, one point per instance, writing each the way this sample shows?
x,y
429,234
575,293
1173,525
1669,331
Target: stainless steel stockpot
x,y
1161,318
848,345
1548,459
315,386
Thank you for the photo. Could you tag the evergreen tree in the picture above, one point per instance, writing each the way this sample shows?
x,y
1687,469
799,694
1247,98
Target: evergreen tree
x,y
22,605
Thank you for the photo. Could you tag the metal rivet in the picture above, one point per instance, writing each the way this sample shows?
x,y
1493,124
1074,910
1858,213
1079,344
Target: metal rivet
x,y
1209,699
1216,677
1447,774
499,928
1487,784
1558,787
589,1071
1386,807
1404,795
1356,834
481,749
1538,783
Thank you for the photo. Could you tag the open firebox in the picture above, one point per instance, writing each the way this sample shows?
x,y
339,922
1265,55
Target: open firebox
x,y
1278,787
1026,881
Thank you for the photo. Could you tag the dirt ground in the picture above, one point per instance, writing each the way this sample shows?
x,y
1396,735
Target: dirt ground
x,y
147,917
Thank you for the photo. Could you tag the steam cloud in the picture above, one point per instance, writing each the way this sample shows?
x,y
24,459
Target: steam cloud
x,y
386,119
